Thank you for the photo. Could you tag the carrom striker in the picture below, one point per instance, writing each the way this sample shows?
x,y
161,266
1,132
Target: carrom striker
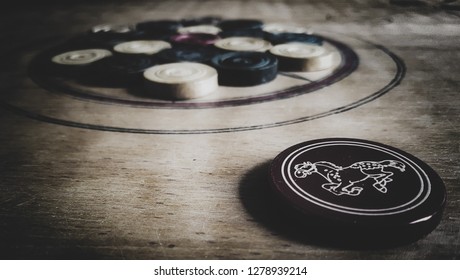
x,y
360,190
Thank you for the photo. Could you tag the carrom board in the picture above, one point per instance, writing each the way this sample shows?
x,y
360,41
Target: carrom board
x,y
111,172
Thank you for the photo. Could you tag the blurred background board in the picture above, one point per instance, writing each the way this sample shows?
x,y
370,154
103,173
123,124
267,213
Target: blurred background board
x,y
91,179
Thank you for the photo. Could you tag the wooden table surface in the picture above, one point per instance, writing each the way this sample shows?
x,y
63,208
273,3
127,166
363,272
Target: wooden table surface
x,y
191,184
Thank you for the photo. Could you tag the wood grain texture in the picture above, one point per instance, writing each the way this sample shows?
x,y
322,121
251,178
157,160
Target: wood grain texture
x,y
71,193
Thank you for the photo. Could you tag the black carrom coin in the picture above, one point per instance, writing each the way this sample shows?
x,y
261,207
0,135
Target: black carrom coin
x,y
119,70
234,24
158,27
241,27
240,69
208,20
186,53
256,33
104,36
358,192
285,37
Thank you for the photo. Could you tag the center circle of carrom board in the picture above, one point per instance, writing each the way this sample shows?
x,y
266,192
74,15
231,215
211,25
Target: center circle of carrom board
x,y
349,63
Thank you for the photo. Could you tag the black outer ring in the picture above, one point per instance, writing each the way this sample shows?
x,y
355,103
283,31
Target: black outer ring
x,y
245,68
417,221
118,70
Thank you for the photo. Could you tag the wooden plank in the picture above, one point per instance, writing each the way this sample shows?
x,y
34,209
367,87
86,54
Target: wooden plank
x,y
72,192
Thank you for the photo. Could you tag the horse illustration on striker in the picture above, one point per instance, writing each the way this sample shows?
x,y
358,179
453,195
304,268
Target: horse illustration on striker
x,y
350,180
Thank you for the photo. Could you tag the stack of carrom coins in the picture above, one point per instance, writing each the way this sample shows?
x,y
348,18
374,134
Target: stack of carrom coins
x,y
190,58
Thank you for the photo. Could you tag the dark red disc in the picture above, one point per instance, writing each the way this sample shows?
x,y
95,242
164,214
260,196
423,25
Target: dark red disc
x,y
200,39
363,188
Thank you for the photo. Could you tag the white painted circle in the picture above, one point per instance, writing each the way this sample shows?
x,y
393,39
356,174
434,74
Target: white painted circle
x,y
181,81
206,29
243,44
181,72
423,180
298,50
142,47
276,28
